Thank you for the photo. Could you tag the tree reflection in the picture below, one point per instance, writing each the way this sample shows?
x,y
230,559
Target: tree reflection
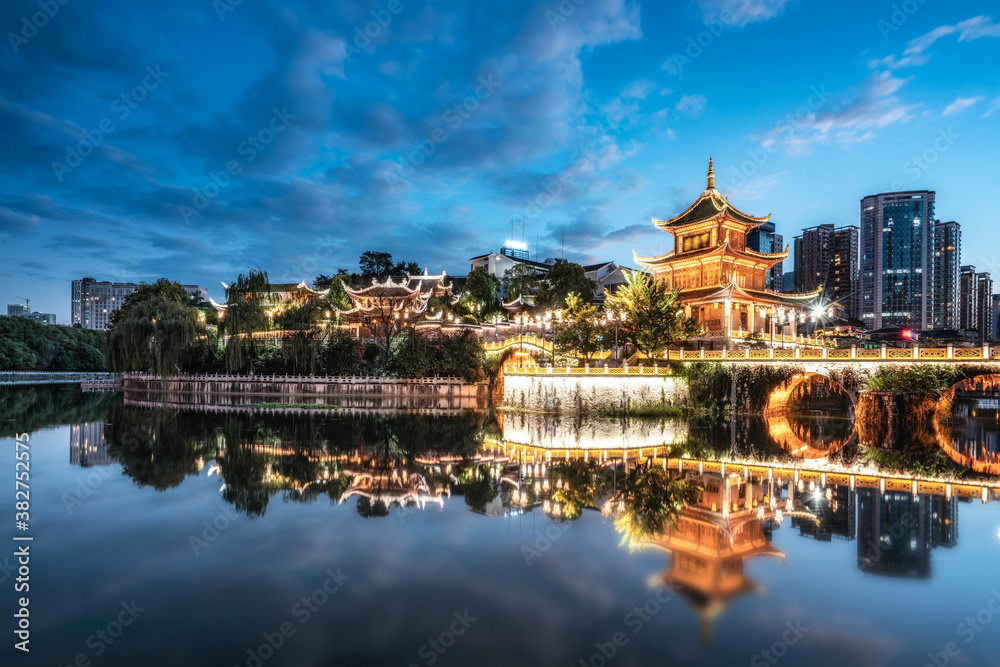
x,y
578,484
650,502
158,448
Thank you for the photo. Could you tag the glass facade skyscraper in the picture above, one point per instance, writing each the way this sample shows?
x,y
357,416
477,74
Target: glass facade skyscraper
x,y
947,269
897,259
764,239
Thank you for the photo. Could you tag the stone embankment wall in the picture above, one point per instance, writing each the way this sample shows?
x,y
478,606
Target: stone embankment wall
x,y
361,392
588,393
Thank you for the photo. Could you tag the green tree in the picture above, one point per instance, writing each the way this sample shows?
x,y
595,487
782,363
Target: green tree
x,y
579,332
247,303
414,357
337,296
341,354
379,264
653,314
155,330
563,279
16,356
462,356
480,293
375,264
520,280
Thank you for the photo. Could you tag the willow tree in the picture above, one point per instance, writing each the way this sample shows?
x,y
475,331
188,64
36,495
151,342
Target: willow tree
x,y
155,330
652,312
247,302
302,334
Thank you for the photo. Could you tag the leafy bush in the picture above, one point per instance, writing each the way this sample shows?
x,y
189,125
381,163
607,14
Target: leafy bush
x,y
462,356
413,358
341,354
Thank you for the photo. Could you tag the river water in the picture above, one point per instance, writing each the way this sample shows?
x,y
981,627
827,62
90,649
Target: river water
x,y
166,537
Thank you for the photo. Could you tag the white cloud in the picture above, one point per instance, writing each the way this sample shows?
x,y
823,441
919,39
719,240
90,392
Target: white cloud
x,y
960,105
874,106
692,106
994,107
916,51
639,89
741,12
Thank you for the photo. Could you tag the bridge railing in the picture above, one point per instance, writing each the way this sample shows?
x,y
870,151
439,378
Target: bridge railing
x,y
853,354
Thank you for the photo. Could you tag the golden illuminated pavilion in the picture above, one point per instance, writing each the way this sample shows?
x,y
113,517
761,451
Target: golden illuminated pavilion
x,y
721,280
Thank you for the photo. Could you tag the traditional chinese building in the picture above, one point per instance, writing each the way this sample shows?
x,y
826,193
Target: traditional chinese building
x,y
722,282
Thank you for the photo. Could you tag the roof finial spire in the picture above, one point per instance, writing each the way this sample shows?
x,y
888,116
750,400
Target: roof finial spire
x,y
711,174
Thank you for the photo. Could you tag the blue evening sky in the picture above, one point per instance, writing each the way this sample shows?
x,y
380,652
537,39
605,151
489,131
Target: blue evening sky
x,y
578,120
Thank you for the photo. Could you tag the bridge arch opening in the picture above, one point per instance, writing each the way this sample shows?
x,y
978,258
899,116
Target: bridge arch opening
x,y
967,420
810,415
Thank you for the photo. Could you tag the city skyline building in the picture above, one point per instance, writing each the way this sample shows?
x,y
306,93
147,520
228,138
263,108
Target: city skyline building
x,y
22,310
766,240
897,259
827,256
93,302
947,272
976,310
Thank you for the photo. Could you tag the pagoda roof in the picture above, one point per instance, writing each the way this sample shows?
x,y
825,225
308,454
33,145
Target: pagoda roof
x,y
710,204
389,288
724,248
733,290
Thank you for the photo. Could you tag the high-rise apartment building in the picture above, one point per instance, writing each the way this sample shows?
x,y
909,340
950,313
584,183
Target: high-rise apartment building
x,y
812,257
976,308
897,259
764,239
829,256
94,301
947,272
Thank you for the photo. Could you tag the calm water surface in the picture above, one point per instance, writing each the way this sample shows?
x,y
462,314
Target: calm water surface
x,y
379,540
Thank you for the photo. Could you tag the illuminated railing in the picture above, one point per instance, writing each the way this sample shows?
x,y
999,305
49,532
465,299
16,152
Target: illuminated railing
x,y
846,355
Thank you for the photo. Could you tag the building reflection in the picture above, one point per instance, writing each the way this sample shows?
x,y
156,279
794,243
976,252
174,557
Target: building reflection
x,y
712,539
87,445
897,532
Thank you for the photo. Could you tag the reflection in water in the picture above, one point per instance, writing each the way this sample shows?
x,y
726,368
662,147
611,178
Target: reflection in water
x,y
969,434
87,445
711,522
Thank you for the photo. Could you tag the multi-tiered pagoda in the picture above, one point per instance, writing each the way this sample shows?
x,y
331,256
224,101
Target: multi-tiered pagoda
x,y
721,281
